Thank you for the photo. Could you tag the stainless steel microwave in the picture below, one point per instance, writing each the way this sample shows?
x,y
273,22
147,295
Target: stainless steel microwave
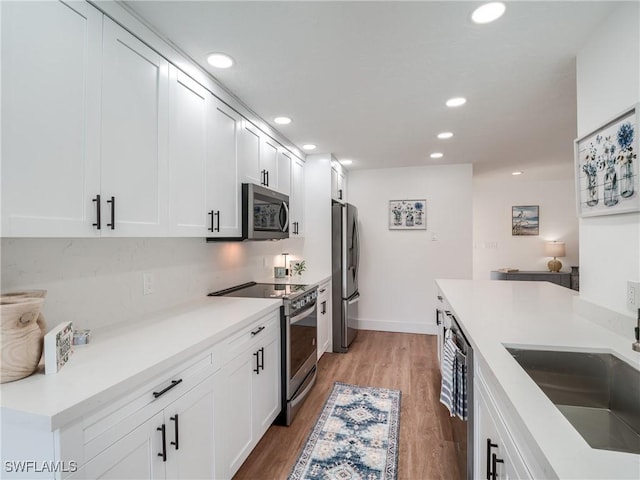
x,y
265,213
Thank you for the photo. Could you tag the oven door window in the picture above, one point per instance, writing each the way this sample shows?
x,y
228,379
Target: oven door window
x,y
303,328
270,215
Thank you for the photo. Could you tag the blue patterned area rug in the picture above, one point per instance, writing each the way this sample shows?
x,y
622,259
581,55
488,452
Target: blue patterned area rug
x,y
355,437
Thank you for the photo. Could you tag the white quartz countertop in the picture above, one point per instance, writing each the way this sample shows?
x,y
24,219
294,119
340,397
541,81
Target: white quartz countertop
x,y
533,315
122,358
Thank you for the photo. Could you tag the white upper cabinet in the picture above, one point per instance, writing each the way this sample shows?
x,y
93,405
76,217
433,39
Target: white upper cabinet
x,y
224,195
187,155
338,182
296,225
284,166
249,153
134,136
50,118
269,162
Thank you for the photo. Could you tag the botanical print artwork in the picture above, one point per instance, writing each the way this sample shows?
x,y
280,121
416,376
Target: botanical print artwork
x,y
408,214
525,220
606,160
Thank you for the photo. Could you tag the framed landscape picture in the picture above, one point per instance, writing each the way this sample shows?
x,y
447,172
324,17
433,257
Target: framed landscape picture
x,y
408,214
525,220
606,164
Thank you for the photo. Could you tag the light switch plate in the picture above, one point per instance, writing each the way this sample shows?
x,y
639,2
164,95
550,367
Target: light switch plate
x,y
633,295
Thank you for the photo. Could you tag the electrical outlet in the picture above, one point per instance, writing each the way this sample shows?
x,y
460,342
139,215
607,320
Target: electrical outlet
x,y
147,283
633,295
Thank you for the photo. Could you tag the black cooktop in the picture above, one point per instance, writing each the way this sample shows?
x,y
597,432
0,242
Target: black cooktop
x,y
262,290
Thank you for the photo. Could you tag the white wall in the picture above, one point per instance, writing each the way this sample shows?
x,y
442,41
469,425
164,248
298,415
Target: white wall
x,y
608,82
494,245
398,267
98,282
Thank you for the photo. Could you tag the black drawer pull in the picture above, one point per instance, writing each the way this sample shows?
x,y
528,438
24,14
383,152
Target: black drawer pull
x,y
440,297
211,227
162,392
164,442
98,223
175,419
261,364
217,214
257,331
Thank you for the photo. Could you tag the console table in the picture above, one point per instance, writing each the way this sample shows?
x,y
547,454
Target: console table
x,y
560,278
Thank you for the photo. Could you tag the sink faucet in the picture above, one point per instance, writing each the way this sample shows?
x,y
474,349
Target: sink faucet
x,y
636,344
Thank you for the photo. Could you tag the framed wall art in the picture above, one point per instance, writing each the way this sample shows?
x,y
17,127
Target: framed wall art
x,y
408,214
525,220
606,164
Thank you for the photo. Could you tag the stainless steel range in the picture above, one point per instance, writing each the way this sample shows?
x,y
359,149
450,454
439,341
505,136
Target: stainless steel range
x,y
299,333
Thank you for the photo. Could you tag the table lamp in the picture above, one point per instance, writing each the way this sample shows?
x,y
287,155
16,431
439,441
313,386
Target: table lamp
x,y
554,249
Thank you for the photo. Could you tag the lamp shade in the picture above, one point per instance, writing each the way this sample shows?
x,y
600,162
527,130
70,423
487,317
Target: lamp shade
x,y
554,249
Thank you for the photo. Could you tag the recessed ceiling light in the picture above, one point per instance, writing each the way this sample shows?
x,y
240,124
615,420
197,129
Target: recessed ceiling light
x,y
346,161
445,135
220,60
519,172
309,146
282,120
456,101
436,155
488,12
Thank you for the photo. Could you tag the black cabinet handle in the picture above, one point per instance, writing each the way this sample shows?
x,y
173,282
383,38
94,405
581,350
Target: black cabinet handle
x,y
257,369
267,174
322,290
175,419
113,213
211,215
164,442
490,445
324,307
217,214
440,297
257,331
162,392
340,194
263,180
494,464
98,223
261,363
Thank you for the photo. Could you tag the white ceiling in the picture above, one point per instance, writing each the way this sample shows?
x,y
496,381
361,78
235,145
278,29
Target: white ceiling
x,y
368,80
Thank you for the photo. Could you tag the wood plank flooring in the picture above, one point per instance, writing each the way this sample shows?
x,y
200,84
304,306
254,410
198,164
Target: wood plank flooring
x,y
429,447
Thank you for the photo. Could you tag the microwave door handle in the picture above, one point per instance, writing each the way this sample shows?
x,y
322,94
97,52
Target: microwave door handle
x,y
285,207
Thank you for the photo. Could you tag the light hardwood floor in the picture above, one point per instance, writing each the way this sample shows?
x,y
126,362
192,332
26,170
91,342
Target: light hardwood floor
x,y
429,447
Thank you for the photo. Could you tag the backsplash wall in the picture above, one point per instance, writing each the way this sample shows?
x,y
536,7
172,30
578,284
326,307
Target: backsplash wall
x,y
97,283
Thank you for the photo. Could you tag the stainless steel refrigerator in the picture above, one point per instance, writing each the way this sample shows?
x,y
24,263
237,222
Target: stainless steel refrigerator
x,y
345,251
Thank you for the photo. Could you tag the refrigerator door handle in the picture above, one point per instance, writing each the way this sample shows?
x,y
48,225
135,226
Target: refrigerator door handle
x,y
356,236
354,299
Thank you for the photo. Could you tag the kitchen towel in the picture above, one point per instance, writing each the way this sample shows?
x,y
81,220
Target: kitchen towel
x,y
453,391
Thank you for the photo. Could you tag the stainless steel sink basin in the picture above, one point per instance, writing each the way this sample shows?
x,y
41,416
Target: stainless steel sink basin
x,y
598,393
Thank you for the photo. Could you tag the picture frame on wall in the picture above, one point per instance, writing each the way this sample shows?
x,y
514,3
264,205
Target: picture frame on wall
x,y
525,220
408,214
606,167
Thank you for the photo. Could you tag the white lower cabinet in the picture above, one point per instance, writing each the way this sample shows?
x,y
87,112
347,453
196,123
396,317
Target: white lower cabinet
x,y
325,323
496,455
247,394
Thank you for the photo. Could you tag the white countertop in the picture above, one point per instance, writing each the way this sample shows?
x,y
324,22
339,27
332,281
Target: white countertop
x,y
534,315
120,359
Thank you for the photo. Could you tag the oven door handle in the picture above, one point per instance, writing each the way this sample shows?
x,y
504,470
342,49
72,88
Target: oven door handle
x,y
303,314
302,394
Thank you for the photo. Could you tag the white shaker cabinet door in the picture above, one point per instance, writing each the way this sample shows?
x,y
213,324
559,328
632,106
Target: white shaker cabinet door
x,y
284,166
269,162
266,385
188,102
51,53
224,195
134,136
296,227
189,434
249,153
138,455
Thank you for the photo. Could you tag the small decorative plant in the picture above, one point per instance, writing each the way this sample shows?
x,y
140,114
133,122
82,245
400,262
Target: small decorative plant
x,y
299,267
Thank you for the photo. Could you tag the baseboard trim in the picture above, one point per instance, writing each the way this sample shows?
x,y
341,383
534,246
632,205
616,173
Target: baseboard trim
x,y
397,327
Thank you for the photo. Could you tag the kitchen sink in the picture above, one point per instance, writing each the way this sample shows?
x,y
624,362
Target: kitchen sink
x,y
597,392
